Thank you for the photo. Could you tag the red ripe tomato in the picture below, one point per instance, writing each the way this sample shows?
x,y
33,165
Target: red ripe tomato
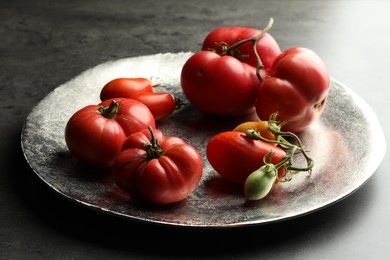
x,y
125,88
156,169
133,116
297,88
161,104
95,134
220,85
235,157
266,47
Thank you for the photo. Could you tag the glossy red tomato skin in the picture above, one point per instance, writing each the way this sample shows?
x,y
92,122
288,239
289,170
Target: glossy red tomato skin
x,y
94,139
97,140
164,180
266,47
220,85
297,88
161,104
133,116
125,88
235,157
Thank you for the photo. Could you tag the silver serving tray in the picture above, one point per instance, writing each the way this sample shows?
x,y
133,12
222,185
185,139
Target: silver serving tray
x,y
347,144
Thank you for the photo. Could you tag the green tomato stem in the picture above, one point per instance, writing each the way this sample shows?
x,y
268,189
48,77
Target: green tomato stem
x,y
254,40
287,161
153,149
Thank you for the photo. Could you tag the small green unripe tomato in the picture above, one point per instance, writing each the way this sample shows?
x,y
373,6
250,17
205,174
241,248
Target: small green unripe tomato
x,y
260,182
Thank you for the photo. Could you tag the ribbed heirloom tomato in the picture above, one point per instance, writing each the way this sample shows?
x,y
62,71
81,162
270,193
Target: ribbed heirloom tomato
x,y
157,169
297,88
95,134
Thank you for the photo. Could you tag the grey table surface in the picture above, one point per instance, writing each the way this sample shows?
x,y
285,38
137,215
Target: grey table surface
x,y
46,43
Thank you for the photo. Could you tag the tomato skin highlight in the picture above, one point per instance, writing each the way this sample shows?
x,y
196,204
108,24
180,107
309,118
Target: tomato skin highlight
x,y
220,85
97,140
235,157
125,88
167,179
297,88
161,104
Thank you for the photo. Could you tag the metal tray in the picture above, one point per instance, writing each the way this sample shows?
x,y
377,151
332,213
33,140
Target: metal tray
x,y
347,144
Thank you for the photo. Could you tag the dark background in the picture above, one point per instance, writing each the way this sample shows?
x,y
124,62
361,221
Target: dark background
x,y
46,43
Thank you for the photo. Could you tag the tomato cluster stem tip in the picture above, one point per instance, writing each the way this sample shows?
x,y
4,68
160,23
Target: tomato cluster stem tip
x,y
298,148
260,182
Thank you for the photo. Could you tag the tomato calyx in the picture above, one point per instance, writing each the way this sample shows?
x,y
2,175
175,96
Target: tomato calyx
x,y
153,149
110,111
179,103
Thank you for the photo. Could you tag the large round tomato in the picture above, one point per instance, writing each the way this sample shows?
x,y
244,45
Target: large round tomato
x,y
220,38
220,85
235,156
156,169
95,134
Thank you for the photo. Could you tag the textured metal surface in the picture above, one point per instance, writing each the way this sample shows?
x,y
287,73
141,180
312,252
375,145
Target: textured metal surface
x,y
347,144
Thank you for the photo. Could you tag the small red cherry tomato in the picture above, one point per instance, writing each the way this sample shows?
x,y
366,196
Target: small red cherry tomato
x,y
235,157
161,104
125,88
95,134
157,169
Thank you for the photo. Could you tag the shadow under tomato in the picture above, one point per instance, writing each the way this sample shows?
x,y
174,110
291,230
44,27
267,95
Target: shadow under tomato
x,y
75,168
218,186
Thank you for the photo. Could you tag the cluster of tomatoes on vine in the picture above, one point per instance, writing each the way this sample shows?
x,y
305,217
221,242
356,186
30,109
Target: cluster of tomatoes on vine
x,y
239,70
